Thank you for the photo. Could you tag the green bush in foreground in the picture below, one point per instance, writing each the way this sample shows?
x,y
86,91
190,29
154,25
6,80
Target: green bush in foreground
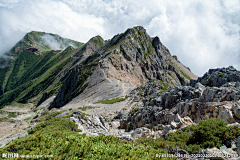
x,y
207,134
57,137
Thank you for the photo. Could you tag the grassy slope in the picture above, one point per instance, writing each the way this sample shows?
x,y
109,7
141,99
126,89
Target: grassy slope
x,y
29,73
38,78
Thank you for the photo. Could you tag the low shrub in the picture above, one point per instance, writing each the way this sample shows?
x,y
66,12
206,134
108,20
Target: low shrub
x,y
207,134
106,101
135,110
57,137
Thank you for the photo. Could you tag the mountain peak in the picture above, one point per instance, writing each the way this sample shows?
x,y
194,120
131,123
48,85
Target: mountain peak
x,y
48,41
97,40
136,28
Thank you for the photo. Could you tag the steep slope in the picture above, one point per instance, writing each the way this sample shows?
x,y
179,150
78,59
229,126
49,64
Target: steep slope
x,y
22,68
85,63
126,61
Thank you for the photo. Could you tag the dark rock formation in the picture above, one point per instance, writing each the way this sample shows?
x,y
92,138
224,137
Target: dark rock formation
x,y
218,77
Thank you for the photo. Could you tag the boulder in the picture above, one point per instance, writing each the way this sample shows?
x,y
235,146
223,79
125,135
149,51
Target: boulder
x,y
225,113
141,132
115,124
236,110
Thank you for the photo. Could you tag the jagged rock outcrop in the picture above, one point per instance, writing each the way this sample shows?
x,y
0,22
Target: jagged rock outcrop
x,y
95,125
92,125
218,77
187,104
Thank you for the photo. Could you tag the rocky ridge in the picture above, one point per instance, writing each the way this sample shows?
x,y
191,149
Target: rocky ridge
x,y
126,61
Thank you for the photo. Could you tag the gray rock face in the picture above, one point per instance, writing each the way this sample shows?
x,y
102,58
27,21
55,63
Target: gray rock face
x,y
92,126
184,105
73,81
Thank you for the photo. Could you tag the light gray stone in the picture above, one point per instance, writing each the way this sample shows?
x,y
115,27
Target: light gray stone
x,y
236,110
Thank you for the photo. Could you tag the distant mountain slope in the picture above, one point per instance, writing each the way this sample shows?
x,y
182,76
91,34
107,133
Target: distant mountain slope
x,y
21,68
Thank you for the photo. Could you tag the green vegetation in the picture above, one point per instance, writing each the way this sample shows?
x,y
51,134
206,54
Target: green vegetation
x,y
178,69
98,40
29,74
141,91
69,115
85,108
27,119
106,101
150,48
131,43
164,86
220,74
20,105
8,118
4,119
12,115
162,91
52,115
170,74
185,75
135,110
36,39
207,134
83,114
122,51
59,137
37,73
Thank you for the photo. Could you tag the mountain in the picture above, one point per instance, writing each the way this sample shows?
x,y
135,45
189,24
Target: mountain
x,y
126,61
129,59
25,73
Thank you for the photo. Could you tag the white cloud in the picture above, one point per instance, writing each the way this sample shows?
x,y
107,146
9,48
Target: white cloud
x,y
203,34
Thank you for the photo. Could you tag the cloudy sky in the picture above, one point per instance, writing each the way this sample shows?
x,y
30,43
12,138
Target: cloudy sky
x,y
202,33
